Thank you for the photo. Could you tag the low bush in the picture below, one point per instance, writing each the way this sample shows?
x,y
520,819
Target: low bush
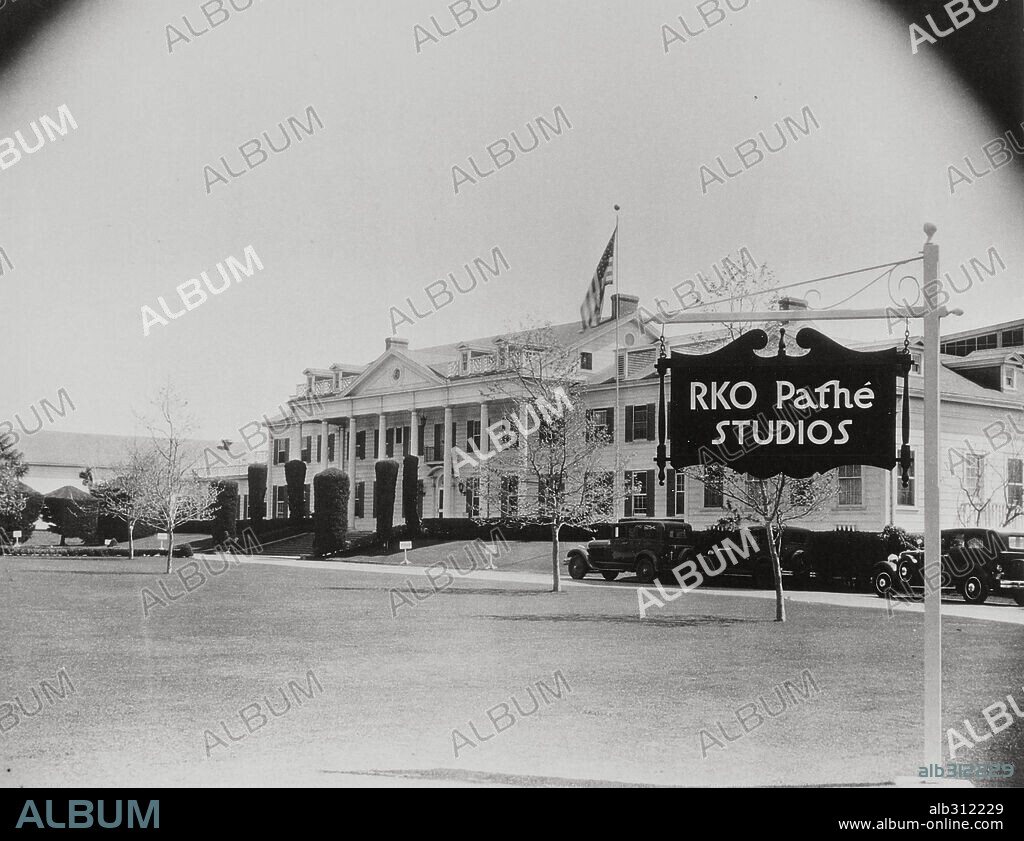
x,y
182,551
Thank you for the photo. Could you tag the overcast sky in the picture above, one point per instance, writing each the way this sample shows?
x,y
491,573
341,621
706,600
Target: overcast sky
x,y
363,214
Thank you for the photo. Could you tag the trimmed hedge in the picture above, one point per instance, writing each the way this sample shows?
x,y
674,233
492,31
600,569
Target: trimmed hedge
x,y
330,520
410,493
384,502
23,521
295,477
257,475
183,551
225,517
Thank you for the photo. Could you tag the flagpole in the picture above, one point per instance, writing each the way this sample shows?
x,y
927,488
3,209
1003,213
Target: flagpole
x,y
618,426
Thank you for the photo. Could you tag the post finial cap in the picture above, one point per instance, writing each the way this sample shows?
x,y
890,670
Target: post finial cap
x,y
930,230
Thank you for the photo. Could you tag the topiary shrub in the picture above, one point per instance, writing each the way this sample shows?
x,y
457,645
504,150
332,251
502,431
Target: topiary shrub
x,y
295,476
74,518
410,494
225,514
257,494
24,520
330,520
384,502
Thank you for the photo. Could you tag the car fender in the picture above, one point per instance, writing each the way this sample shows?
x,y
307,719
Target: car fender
x,y
578,553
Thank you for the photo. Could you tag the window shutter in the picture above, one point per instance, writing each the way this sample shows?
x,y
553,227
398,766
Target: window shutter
x,y
651,482
389,435
670,497
455,434
422,438
373,499
628,511
652,421
438,442
287,449
361,445
319,448
376,444
629,424
611,422
406,431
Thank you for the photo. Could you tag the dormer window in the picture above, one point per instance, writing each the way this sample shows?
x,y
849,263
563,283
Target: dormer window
x,y
917,364
464,362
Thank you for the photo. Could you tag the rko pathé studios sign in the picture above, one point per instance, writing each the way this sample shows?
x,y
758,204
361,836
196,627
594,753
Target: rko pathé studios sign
x,y
779,414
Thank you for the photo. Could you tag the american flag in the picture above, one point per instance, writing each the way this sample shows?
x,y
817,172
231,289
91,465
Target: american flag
x,y
590,312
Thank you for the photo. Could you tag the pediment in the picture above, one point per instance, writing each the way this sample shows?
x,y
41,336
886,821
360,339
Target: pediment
x,y
393,372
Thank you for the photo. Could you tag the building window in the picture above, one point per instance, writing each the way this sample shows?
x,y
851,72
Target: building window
x,y
280,502
586,362
509,496
974,474
473,497
712,480
906,496
680,493
602,423
638,492
360,499
851,485
1009,379
917,364
281,450
472,434
989,342
243,507
307,449
640,423
1013,338
1015,482
361,445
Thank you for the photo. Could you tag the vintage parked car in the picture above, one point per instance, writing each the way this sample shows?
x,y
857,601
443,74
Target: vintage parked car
x,y
756,568
976,562
646,547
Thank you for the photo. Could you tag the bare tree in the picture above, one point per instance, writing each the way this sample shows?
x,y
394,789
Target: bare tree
x,y
175,493
771,503
552,467
130,495
986,493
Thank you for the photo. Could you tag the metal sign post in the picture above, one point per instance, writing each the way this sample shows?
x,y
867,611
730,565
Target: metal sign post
x,y
932,571
405,546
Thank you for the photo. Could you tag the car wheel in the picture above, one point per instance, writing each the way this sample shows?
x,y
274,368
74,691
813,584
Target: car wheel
x,y
904,572
882,583
975,589
646,571
577,567
609,576
1018,596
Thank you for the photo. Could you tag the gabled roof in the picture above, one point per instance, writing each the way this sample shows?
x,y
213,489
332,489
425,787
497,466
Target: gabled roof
x,y
985,358
79,449
393,354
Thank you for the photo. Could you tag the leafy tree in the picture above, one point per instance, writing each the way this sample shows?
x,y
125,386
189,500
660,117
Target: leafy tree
x,y
330,520
295,476
384,489
12,497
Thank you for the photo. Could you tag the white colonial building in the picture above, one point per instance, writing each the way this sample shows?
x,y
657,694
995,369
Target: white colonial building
x,y
431,400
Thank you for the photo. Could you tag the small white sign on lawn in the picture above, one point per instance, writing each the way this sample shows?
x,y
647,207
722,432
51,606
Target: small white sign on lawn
x,y
405,545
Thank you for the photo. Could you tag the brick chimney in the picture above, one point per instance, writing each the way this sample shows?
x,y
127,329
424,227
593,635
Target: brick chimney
x,y
396,343
623,305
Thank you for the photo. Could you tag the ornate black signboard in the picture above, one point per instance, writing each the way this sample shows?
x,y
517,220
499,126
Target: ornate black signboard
x,y
779,414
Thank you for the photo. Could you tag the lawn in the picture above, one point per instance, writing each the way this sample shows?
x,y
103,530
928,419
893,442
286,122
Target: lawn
x,y
394,688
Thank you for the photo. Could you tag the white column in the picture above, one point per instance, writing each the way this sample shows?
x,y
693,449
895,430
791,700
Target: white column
x,y
485,448
524,443
932,458
351,471
382,427
414,433
446,481
269,501
325,431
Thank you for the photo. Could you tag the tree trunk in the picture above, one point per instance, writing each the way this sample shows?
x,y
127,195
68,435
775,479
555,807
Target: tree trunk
x,y
131,541
556,581
780,604
170,548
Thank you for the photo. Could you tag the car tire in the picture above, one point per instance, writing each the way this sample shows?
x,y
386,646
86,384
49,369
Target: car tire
x,y
975,589
1018,596
609,576
646,571
578,567
882,581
